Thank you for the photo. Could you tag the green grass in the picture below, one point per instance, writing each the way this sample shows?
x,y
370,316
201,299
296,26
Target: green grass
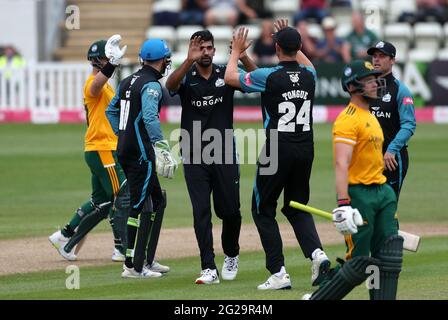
x,y
44,179
423,277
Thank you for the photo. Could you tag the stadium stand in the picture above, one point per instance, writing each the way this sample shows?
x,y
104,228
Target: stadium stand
x,y
397,7
401,35
48,90
100,19
428,37
424,42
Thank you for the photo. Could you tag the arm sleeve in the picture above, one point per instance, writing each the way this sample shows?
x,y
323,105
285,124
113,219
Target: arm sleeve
x,y
151,95
240,71
312,70
255,81
407,120
87,88
345,130
113,111
181,87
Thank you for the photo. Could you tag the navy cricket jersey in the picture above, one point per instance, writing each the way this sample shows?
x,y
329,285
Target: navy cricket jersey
x,y
287,98
208,102
134,114
395,113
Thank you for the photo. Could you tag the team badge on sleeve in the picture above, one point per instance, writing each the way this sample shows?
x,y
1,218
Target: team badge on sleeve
x,y
247,79
153,93
408,100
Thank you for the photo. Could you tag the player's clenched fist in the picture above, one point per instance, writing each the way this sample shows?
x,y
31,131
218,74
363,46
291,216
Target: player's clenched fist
x,y
346,220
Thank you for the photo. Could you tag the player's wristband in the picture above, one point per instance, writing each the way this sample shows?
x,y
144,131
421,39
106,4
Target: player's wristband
x,y
343,202
108,70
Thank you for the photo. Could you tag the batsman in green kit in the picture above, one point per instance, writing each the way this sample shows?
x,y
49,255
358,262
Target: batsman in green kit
x,y
367,205
107,175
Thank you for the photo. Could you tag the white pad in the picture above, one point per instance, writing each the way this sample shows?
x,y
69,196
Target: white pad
x,y
411,241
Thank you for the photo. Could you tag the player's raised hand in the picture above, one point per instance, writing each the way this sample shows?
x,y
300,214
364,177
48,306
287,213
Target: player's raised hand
x,y
113,51
244,52
239,40
194,49
280,24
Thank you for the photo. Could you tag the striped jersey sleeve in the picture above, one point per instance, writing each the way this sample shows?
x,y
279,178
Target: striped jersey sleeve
x,y
345,128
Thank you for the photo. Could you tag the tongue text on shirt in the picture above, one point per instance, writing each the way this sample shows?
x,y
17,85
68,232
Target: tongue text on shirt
x,y
295,94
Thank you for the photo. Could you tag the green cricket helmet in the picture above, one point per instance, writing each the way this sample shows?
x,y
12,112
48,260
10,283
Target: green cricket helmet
x,y
356,71
97,51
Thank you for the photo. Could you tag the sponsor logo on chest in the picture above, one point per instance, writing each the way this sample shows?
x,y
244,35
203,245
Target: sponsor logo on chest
x,y
220,83
207,101
377,112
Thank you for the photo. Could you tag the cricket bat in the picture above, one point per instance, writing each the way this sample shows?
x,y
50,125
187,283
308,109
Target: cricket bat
x,y
411,241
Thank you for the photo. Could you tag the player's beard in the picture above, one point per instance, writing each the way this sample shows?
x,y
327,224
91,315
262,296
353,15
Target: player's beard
x,y
166,67
205,62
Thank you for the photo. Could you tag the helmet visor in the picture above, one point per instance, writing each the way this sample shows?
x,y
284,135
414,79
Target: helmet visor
x,y
372,88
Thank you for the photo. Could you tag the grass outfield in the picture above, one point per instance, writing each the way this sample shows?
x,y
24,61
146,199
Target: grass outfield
x,y
44,179
424,277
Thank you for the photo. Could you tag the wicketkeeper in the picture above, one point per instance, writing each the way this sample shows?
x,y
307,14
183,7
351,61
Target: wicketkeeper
x,y
142,151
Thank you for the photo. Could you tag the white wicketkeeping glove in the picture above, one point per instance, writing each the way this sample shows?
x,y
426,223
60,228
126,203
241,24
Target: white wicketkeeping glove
x,y
166,164
346,220
113,51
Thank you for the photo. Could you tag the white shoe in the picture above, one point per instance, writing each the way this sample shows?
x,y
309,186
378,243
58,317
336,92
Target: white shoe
x,y
208,276
157,267
229,268
70,256
117,256
320,267
146,273
58,240
276,283
307,296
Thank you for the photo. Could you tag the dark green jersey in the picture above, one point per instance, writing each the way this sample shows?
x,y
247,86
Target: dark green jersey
x,y
361,42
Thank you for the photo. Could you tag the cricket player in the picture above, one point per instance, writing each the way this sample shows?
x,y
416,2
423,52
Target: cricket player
x,y
100,144
366,203
395,113
207,102
287,96
142,151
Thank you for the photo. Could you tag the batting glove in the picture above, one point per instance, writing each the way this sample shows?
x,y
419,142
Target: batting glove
x,y
166,164
346,220
113,51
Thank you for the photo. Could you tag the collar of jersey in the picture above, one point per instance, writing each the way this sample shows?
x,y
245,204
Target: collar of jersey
x,y
288,63
156,73
351,104
197,75
389,77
